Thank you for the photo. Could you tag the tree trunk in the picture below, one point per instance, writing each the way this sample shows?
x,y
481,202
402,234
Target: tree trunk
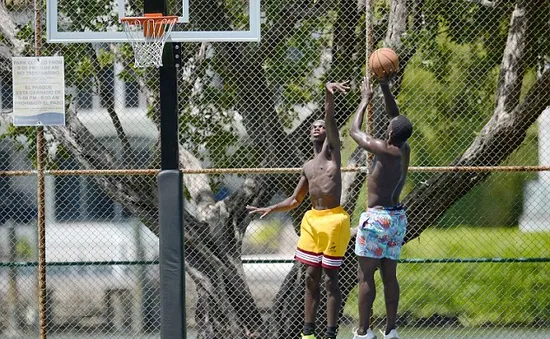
x,y
11,46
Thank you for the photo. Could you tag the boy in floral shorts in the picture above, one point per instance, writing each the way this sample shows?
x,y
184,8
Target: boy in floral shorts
x,y
382,227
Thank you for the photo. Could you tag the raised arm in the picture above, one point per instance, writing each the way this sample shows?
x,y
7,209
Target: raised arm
x,y
289,203
363,139
391,106
366,96
333,137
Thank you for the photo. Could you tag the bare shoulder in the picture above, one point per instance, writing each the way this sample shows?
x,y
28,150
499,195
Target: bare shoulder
x,y
331,152
308,163
394,151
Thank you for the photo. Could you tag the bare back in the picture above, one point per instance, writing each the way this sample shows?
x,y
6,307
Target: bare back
x,y
324,178
387,177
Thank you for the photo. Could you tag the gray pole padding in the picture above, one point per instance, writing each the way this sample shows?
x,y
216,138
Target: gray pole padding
x,y
172,278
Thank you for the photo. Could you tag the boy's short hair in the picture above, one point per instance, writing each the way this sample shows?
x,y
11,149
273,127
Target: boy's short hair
x,y
318,121
401,128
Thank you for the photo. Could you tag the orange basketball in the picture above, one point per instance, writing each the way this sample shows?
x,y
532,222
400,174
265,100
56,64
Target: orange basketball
x,y
383,61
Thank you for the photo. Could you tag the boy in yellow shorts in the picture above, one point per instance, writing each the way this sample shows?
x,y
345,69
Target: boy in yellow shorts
x,y
325,230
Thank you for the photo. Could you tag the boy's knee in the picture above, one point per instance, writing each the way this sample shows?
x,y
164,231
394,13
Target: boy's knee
x,y
312,280
390,282
331,284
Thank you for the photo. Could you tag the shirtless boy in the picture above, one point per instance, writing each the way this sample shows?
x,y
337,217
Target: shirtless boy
x,y
325,229
382,227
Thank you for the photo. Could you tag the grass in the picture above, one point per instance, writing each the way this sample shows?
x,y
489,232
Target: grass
x,y
473,294
478,242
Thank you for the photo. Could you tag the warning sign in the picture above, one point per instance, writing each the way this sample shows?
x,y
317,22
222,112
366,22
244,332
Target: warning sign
x,y
38,91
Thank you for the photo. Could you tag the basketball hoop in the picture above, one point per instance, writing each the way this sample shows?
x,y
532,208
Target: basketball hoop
x,y
147,34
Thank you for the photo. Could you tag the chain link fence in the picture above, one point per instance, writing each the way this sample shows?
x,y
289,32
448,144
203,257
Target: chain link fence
x,y
474,80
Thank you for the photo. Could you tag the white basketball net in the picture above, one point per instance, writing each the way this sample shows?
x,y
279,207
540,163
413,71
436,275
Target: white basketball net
x,y
147,36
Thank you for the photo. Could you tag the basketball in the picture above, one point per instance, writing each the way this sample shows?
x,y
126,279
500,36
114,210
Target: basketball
x,y
383,61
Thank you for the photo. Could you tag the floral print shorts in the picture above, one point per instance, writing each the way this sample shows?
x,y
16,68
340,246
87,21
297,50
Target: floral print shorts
x,y
381,232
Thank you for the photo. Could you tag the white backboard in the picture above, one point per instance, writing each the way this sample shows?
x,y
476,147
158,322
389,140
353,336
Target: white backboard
x,y
61,28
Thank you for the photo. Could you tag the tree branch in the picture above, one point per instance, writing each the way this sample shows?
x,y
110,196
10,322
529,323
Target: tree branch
x,y
513,66
397,24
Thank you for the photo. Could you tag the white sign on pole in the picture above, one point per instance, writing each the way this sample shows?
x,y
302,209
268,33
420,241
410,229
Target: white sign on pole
x,y
38,91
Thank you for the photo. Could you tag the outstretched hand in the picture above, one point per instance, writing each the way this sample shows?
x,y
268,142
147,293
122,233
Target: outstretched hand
x,y
342,87
263,211
366,89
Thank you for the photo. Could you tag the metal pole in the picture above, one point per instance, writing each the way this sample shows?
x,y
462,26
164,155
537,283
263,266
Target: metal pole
x,y
42,298
170,180
170,186
369,47
370,111
169,140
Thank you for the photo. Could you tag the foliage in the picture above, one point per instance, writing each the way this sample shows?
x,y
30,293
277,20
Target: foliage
x,y
296,67
449,93
24,249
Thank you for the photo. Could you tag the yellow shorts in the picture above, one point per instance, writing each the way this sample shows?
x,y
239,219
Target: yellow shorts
x,y
324,237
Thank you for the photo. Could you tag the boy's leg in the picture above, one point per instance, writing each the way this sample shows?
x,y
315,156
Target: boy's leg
x,y
367,291
388,269
312,297
334,301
